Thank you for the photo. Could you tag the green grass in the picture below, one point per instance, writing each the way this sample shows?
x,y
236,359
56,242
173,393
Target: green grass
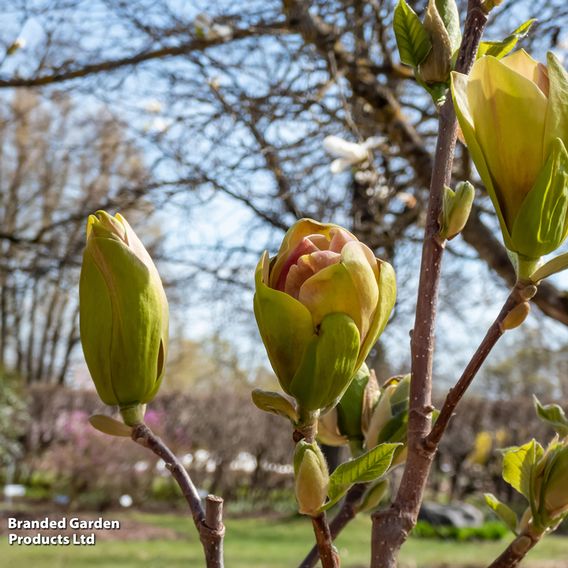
x,y
261,543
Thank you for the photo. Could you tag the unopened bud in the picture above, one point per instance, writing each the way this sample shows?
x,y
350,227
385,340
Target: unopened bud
x,y
437,65
373,497
516,316
456,209
311,477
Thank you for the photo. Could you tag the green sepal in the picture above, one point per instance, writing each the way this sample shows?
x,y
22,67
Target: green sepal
x,y
499,49
411,37
367,467
328,364
541,224
275,403
504,512
285,326
556,125
553,415
110,426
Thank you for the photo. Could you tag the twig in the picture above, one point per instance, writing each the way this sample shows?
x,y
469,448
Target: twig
x,y
208,521
328,556
516,551
392,526
520,294
324,543
339,522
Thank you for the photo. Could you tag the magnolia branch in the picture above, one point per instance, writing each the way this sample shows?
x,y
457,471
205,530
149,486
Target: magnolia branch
x,y
339,522
208,521
516,551
196,43
391,527
520,294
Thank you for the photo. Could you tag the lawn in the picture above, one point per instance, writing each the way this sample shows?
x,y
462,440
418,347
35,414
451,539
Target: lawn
x,y
261,543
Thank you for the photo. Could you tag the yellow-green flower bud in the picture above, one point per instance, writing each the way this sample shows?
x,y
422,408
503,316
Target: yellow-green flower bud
x,y
320,305
512,113
123,315
456,209
311,477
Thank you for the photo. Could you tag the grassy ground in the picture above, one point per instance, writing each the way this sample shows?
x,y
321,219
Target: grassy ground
x,y
260,543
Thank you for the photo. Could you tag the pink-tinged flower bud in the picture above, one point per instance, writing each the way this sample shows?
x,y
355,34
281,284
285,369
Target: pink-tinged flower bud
x,y
320,305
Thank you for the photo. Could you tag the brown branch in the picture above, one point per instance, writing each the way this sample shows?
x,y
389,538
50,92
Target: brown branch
x,y
194,44
347,513
329,558
392,526
208,521
520,294
516,551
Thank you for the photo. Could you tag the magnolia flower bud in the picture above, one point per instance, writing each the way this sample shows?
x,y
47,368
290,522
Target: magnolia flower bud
x,y
456,209
512,113
123,316
311,477
320,305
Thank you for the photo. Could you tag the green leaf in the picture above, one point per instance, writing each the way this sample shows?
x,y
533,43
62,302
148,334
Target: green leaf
x,y
110,426
449,13
368,467
554,266
499,49
504,512
275,403
518,464
553,415
411,37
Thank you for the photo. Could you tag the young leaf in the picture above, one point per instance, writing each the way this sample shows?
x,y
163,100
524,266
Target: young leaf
x,y
553,415
553,266
110,426
499,49
504,512
368,467
517,466
275,403
411,37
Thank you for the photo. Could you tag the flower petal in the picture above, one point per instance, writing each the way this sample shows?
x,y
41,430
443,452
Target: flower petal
x,y
557,113
463,112
285,326
508,112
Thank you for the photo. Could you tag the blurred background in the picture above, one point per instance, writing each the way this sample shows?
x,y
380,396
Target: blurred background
x,y
204,124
